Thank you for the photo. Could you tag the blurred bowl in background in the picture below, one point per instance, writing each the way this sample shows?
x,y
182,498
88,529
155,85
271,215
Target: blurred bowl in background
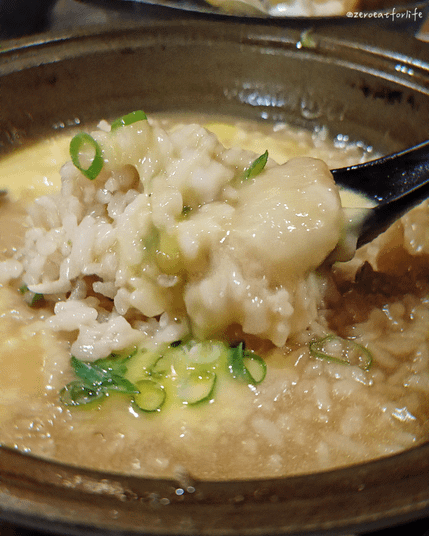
x,y
399,15
24,17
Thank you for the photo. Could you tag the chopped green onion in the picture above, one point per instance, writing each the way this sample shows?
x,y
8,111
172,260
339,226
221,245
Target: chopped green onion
x,y
77,393
255,167
160,368
151,396
87,371
98,375
186,371
114,363
339,350
36,298
235,362
97,380
76,145
246,366
197,387
255,366
31,298
128,119
186,210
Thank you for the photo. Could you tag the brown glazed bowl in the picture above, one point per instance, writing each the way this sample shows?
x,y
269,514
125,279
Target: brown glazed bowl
x,y
371,87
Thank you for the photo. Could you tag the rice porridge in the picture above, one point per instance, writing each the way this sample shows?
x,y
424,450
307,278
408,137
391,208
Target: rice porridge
x,y
166,305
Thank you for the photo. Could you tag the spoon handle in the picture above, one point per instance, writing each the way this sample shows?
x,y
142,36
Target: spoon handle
x,y
395,182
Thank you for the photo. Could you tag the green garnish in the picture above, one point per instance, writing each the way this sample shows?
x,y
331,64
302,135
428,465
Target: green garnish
x,y
197,387
186,210
102,374
255,167
339,350
97,379
77,393
23,289
246,366
31,298
151,396
189,369
84,141
128,119
185,372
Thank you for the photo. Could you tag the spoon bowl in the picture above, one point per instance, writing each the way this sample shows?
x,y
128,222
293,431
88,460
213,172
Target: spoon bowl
x,y
396,183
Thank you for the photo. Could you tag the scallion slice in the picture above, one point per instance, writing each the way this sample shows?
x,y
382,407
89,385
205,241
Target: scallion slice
x,y
31,298
344,351
197,387
151,396
96,380
184,372
77,393
160,368
128,119
246,366
77,144
255,167
186,210
255,366
102,374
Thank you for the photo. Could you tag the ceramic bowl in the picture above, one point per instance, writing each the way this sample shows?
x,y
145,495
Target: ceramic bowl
x,y
371,87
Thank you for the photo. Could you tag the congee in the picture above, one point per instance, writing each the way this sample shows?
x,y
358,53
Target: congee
x,y
167,306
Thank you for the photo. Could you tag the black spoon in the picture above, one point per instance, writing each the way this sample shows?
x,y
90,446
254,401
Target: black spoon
x,y
396,183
